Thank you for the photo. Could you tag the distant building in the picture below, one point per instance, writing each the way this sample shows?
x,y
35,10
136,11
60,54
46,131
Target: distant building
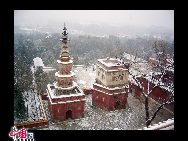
x,y
65,98
110,91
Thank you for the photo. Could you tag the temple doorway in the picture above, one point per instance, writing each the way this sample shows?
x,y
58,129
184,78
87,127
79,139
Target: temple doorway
x,y
117,105
69,114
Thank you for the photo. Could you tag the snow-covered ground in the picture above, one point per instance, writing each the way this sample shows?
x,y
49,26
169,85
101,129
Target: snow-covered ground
x,y
131,118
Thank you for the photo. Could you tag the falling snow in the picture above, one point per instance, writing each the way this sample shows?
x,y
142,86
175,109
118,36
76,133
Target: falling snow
x,y
85,77
131,118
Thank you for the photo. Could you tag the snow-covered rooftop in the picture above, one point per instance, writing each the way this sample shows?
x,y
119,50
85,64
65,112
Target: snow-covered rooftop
x,y
51,91
111,70
111,62
61,62
47,69
115,88
65,75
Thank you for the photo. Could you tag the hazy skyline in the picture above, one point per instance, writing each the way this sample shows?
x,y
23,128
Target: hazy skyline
x,y
164,18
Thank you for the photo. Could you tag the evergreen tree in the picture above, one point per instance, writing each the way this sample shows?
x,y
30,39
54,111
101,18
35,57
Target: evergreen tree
x,y
40,80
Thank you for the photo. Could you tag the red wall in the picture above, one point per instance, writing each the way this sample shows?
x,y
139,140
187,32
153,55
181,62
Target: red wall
x,y
144,83
88,91
159,93
137,90
109,100
58,111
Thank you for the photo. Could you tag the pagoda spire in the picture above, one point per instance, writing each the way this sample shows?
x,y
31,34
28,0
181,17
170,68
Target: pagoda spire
x,y
64,27
64,55
64,37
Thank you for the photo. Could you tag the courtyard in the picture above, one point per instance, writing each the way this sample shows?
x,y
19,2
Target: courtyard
x,y
131,118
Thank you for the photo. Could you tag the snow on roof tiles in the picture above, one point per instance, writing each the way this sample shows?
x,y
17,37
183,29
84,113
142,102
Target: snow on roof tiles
x,y
65,75
110,62
51,91
68,62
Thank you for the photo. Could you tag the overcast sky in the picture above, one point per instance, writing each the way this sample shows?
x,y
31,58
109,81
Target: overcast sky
x,y
163,18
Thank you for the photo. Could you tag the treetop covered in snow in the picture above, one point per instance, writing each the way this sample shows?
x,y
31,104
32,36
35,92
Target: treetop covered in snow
x,y
156,81
132,58
38,62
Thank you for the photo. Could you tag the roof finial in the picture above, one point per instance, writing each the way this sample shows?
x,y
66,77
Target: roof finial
x,y
64,27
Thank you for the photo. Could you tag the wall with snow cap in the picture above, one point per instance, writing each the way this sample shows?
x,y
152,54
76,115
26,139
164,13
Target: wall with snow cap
x,y
165,125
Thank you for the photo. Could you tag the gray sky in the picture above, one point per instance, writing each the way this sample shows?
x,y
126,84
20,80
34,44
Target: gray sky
x,y
163,18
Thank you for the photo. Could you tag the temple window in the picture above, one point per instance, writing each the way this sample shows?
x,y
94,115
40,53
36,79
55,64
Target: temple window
x,y
102,76
121,77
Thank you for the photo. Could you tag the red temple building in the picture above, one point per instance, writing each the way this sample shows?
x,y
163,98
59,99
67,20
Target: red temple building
x,y
110,91
66,99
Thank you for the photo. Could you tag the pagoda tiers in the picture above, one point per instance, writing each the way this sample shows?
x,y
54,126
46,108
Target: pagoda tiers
x,y
66,99
110,91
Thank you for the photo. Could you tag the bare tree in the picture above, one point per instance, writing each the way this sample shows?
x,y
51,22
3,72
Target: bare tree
x,y
162,66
